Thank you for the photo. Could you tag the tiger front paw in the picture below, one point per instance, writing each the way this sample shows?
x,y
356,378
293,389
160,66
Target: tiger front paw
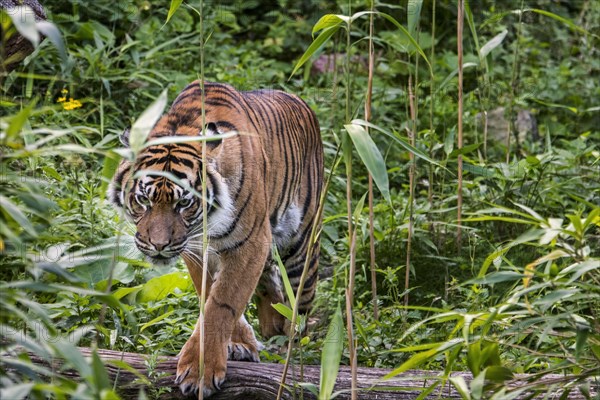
x,y
188,377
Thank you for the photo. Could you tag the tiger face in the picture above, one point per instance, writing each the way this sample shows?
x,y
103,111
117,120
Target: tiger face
x,y
160,193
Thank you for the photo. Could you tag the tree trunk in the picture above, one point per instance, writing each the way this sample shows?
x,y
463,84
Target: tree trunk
x,y
15,48
261,380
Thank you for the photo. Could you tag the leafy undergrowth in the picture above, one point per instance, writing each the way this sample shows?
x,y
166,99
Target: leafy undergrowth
x,y
520,294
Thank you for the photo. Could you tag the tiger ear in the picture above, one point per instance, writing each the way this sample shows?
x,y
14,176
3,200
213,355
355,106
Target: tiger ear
x,y
211,129
124,138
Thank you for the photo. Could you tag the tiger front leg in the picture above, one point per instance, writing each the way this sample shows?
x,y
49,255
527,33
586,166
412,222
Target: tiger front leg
x,y
237,278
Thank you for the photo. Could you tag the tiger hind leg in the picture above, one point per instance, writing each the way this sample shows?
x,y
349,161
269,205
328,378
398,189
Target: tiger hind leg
x,y
270,291
243,345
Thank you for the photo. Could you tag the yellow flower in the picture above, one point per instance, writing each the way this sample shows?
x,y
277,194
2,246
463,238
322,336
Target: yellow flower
x,y
61,99
64,91
71,104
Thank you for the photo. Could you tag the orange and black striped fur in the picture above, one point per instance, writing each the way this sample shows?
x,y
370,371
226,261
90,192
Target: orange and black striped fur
x,y
264,185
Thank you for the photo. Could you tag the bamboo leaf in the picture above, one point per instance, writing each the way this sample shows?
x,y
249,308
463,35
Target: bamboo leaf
x,y
332,354
156,320
406,145
413,11
327,21
371,157
173,8
315,46
283,310
143,125
492,44
50,30
284,277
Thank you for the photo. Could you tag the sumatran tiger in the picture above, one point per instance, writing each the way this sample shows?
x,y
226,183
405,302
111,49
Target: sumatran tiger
x,y
263,189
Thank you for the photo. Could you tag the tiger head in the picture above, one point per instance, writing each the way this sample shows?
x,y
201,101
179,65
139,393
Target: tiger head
x,y
160,192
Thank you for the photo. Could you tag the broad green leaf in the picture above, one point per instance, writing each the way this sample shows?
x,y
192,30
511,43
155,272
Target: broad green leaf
x,y
492,44
500,276
327,21
498,373
100,376
461,386
331,356
144,124
160,287
407,146
315,46
413,13
464,150
284,310
371,157
476,385
173,8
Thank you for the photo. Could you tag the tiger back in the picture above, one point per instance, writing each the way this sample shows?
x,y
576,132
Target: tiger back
x,y
264,184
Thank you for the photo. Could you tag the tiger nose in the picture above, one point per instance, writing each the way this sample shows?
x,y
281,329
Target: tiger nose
x,y
159,245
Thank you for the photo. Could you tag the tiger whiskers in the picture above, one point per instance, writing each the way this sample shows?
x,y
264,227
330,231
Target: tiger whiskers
x,y
196,258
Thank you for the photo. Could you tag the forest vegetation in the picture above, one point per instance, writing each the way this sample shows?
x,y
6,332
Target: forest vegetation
x,y
461,226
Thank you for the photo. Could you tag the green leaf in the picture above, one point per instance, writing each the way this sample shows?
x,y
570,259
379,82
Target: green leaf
x,y
497,373
156,320
461,386
331,356
371,157
315,46
413,13
556,17
497,277
109,166
283,310
17,122
100,376
173,8
492,44
327,21
161,286
449,141
144,124
404,144
14,212
422,357
50,30
284,277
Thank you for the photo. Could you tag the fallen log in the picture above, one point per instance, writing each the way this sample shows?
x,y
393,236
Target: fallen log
x,y
261,380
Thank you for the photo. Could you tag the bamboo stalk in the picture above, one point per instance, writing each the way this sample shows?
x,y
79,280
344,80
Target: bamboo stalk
x,y
204,211
411,185
371,213
459,39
